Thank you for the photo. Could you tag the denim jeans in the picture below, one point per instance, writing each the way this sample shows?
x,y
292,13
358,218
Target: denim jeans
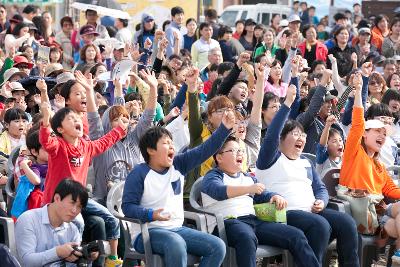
x,y
111,223
244,233
325,226
174,244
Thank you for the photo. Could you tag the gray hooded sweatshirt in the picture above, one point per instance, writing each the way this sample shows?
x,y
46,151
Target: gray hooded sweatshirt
x,y
116,162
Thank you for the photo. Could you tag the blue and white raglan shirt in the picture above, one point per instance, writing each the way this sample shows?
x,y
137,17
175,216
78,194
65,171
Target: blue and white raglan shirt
x,y
215,198
147,190
295,180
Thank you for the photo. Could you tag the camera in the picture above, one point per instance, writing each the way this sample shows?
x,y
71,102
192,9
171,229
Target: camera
x,y
100,246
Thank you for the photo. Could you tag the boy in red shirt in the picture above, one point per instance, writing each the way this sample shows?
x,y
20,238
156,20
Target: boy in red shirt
x,y
70,155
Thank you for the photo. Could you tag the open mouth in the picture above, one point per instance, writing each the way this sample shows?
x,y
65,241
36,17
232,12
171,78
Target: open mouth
x,y
239,160
83,103
21,129
243,95
340,149
298,146
78,127
379,142
171,155
241,131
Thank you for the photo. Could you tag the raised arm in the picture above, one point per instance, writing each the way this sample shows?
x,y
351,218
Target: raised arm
x,y
194,120
194,157
229,81
269,149
294,110
48,142
255,115
335,75
42,86
307,118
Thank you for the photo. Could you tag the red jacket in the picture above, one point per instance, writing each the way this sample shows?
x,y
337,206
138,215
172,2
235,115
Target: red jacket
x,y
321,51
68,161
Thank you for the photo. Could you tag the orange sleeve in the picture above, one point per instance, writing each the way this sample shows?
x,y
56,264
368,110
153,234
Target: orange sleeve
x,y
355,134
390,189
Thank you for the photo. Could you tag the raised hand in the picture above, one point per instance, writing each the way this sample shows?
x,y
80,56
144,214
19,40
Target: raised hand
x,y
294,40
147,43
41,85
117,84
260,71
158,35
243,58
37,99
330,120
149,77
282,41
332,58
123,123
174,112
85,81
135,54
269,58
326,76
366,69
46,111
354,57
192,79
290,95
357,81
295,65
228,119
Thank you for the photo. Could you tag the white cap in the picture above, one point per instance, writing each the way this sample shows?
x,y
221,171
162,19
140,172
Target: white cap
x,y
283,23
294,18
16,86
377,124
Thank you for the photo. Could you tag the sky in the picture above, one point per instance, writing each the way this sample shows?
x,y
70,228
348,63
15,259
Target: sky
x,y
323,5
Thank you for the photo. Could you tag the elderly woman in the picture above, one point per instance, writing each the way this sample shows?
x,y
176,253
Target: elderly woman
x,y
282,169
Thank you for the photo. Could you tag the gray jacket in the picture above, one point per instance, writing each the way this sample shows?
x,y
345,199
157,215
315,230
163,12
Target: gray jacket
x,y
116,162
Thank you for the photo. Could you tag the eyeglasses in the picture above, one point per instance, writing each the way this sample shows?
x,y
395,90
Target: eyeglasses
x,y
276,107
222,111
233,151
298,134
385,119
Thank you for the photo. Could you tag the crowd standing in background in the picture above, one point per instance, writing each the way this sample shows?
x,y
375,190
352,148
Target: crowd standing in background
x,y
160,106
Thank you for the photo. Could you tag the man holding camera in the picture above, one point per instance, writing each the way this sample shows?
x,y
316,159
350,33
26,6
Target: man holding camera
x,y
47,236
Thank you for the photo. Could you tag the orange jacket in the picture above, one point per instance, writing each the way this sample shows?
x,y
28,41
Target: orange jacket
x,y
359,171
377,38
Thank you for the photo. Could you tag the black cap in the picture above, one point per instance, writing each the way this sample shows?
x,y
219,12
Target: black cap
x,y
249,22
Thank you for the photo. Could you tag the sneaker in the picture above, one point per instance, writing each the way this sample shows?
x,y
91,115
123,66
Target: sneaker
x,y
396,257
113,263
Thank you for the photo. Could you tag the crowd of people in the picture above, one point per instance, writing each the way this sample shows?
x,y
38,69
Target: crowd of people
x,y
236,107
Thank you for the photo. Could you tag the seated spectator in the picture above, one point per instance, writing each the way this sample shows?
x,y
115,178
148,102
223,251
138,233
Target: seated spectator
x,y
226,190
163,207
47,235
362,169
330,147
282,169
15,124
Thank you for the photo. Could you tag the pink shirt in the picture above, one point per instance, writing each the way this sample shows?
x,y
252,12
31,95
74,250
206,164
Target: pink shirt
x,y
279,91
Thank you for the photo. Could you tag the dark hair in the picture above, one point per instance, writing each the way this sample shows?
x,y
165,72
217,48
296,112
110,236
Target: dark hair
x,y
190,20
164,25
379,18
239,21
379,109
102,109
167,69
389,79
185,53
356,4
258,58
316,63
66,88
66,19
290,125
176,10
133,96
57,49
224,29
95,67
229,139
124,22
32,140
213,67
296,2
18,28
311,7
393,22
339,16
390,94
70,187
30,9
211,13
332,132
204,25
338,30
83,53
306,28
303,3
150,139
389,61
58,118
15,114
225,66
90,10
268,97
